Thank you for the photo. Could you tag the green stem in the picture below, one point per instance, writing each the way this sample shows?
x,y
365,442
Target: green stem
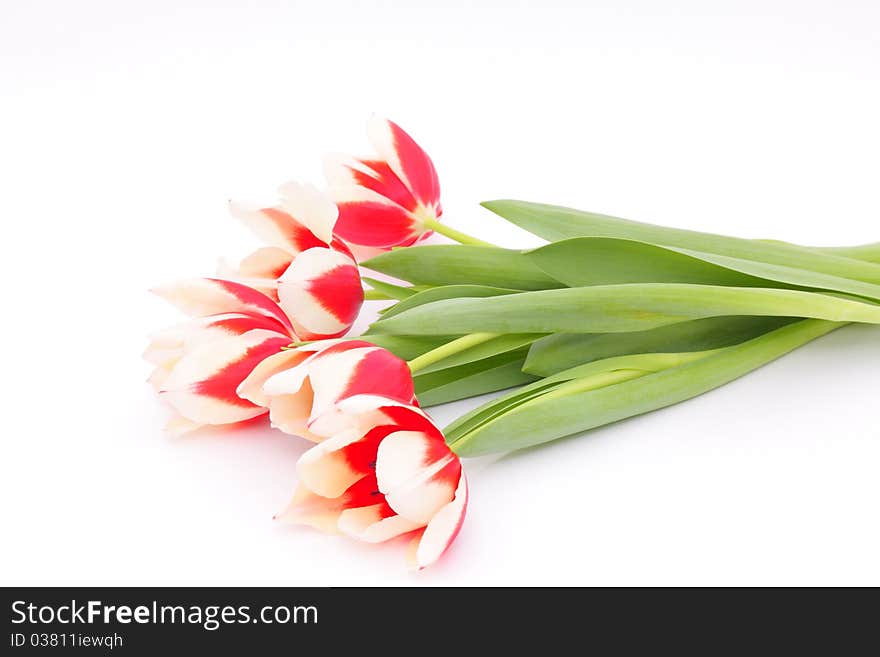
x,y
451,233
449,349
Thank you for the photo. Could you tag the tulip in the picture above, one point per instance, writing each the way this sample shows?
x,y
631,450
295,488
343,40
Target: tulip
x,y
389,473
312,274
300,387
200,363
387,201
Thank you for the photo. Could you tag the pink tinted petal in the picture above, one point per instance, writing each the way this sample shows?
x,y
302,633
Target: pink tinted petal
x,y
338,418
267,262
364,412
311,208
267,286
338,245
290,414
201,385
443,528
158,375
260,270
363,371
293,401
380,372
373,524
276,227
168,345
179,425
321,292
376,175
326,470
252,386
306,508
290,397
407,159
212,296
417,475
329,375
367,218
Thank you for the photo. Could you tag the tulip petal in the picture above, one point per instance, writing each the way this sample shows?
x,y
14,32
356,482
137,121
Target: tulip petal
x,y
294,404
325,470
201,385
289,413
169,344
365,370
311,208
211,296
407,159
342,171
443,528
306,508
290,397
364,412
367,218
157,377
417,473
277,227
179,425
267,262
321,292
374,524
260,270
252,386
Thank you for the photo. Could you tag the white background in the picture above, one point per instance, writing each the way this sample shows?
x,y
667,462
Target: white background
x,y
125,127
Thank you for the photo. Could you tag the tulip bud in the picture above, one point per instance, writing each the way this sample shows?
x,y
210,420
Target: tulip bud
x,y
311,273
387,201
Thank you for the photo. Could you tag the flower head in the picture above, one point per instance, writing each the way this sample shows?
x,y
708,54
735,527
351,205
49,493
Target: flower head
x,y
312,274
388,472
385,201
302,386
200,363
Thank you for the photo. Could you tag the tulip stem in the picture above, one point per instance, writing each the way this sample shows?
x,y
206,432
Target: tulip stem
x,y
448,349
451,233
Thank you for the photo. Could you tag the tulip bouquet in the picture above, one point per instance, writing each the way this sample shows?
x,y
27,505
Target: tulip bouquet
x,y
606,319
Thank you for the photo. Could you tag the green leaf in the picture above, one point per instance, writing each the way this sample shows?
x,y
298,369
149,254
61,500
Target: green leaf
x,y
635,364
552,416
445,292
497,345
604,261
556,223
582,261
618,308
398,292
560,351
457,264
472,379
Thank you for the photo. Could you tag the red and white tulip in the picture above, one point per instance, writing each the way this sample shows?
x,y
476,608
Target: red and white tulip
x,y
311,273
385,201
200,363
389,473
301,387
